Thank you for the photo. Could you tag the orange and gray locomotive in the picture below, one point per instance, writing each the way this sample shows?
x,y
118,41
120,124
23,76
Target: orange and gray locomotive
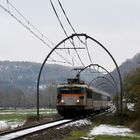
x,y
75,98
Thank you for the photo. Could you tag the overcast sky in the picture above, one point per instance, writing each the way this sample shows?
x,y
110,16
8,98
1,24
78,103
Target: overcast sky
x,y
114,23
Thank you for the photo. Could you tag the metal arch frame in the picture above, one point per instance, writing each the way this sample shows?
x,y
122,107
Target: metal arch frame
x,y
86,36
115,84
103,69
102,77
103,83
105,88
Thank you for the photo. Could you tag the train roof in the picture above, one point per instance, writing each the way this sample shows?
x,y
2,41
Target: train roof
x,y
100,91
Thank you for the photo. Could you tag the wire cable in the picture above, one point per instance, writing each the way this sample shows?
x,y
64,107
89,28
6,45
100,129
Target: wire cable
x,y
29,23
65,30
68,20
74,30
66,16
6,10
88,51
58,18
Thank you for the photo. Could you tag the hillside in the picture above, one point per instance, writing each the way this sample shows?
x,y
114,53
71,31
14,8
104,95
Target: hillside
x,y
18,81
127,66
23,75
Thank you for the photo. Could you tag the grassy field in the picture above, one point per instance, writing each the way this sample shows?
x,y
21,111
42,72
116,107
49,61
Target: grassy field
x,y
12,118
22,114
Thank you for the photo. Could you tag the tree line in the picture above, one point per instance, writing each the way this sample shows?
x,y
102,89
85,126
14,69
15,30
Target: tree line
x,y
16,98
132,89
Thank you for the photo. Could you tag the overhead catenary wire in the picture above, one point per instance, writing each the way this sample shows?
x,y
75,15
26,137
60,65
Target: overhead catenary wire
x,y
75,30
52,60
89,57
65,30
29,28
7,3
68,20
23,24
58,18
26,27
66,16
88,51
29,23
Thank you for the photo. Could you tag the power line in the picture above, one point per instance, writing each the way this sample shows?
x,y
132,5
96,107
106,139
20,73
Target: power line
x,y
52,60
64,30
66,16
68,19
74,30
23,24
29,23
26,27
58,18
88,51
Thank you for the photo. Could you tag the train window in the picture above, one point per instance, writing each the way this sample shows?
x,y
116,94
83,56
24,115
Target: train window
x,y
104,98
108,99
96,96
72,90
77,90
89,93
64,90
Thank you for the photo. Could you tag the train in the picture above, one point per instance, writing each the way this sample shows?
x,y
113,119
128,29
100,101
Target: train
x,y
75,98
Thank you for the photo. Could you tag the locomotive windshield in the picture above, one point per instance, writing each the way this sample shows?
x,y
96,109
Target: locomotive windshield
x,y
71,90
76,90
64,90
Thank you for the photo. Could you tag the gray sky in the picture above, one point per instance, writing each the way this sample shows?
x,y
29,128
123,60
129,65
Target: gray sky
x,y
114,23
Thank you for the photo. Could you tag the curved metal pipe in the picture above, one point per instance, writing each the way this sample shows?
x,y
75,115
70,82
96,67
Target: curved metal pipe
x,y
103,69
102,77
73,35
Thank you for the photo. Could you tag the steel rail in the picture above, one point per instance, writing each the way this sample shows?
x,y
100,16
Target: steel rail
x,y
33,130
26,127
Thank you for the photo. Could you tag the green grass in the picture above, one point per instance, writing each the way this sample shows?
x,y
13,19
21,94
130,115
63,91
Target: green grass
x,y
75,135
13,117
22,114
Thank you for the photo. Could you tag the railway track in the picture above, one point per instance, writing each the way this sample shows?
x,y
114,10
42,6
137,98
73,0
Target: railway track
x,y
39,128
24,132
29,132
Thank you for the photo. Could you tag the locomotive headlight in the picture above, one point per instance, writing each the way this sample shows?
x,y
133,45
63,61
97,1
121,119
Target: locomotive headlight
x,y
62,101
77,101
